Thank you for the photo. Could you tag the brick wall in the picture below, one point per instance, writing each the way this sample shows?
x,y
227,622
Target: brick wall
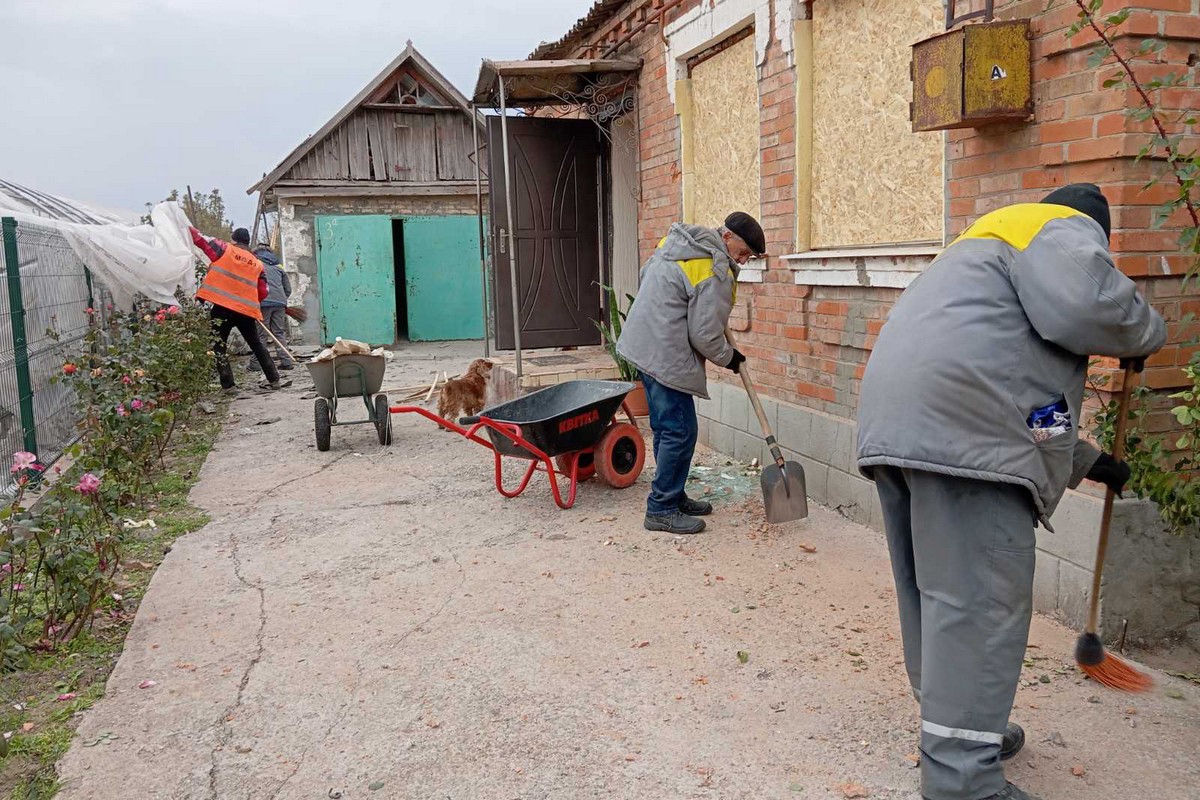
x,y
810,343
1080,133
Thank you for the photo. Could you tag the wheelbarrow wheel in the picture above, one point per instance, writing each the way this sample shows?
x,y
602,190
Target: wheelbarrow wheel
x,y
587,464
620,455
383,419
322,423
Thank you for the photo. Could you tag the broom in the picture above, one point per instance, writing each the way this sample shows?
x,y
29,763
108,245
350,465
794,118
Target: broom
x,y
1106,668
296,313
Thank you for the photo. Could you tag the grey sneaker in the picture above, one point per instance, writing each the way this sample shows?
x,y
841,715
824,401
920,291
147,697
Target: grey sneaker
x,y
1014,740
674,523
276,385
695,508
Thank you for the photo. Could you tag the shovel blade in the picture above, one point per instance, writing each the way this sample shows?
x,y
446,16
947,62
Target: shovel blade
x,y
785,496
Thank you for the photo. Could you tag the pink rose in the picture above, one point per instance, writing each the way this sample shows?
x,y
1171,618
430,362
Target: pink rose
x,y
136,405
88,484
23,460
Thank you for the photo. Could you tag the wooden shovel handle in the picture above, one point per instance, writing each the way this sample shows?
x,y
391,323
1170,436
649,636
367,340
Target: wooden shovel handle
x,y
744,373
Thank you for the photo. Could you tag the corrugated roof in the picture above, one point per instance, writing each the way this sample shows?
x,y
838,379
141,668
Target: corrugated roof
x,y
601,12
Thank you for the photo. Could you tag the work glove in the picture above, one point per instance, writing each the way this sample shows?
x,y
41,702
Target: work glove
x,y
1112,473
1138,364
735,363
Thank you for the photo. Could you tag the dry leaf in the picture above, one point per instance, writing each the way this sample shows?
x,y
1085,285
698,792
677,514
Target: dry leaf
x,y
852,790
62,698
27,727
147,684
1078,770
642,644
808,548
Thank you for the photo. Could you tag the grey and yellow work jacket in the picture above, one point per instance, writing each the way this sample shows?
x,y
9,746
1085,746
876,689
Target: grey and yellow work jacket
x,y
678,318
979,371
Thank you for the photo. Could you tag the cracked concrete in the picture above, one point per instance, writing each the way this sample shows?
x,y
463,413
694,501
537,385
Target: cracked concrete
x,y
377,615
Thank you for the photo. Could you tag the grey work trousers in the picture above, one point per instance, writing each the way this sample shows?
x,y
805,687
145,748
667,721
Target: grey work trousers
x,y
962,556
275,318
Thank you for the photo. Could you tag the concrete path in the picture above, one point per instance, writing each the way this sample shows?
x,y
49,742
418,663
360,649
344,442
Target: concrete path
x,y
379,623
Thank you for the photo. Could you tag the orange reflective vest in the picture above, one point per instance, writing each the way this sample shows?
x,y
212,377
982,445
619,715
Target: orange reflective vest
x,y
232,282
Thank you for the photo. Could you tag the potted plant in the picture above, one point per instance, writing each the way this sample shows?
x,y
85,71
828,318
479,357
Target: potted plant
x,y
610,332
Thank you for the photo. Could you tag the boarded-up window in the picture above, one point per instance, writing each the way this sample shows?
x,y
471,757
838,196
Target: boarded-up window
x,y
874,180
725,134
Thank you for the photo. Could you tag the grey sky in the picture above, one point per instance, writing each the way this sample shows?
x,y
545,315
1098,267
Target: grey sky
x,y
118,101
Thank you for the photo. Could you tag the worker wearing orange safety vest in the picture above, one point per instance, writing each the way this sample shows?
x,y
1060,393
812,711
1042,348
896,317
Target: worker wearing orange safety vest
x,y
235,285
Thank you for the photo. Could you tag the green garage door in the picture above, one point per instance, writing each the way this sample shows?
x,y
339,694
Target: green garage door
x,y
356,275
441,272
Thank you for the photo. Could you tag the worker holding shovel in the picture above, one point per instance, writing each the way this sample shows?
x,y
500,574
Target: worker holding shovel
x,y
969,425
676,324
235,284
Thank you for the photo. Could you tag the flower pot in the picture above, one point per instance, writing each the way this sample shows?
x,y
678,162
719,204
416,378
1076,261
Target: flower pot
x,y
636,401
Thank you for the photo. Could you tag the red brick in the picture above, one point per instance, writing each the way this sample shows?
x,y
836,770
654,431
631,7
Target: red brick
x,y
1067,131
1164,5
964,188
1096,149
1183,27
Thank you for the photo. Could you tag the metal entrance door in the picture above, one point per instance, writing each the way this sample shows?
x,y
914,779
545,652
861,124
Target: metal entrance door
x,y
356,273
441,273
556,200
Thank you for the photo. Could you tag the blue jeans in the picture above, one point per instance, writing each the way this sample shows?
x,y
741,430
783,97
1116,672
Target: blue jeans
x,y
673,420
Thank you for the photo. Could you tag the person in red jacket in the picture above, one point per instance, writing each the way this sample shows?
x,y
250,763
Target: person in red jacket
x,y
235,285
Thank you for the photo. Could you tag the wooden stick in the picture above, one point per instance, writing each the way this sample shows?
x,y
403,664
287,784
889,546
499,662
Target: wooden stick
x,y
432,386
192,207
282,346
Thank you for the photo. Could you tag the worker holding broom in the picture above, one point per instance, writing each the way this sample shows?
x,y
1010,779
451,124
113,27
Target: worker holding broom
x,y
235,284
274,305
969,425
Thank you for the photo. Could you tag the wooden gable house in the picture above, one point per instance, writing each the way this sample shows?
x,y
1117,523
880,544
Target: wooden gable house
x,y
378,213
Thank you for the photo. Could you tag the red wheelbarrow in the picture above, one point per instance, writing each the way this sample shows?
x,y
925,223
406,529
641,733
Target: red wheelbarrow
x,y
567,431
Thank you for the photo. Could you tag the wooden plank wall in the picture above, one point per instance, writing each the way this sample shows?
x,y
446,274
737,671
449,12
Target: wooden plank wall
x,y
384,145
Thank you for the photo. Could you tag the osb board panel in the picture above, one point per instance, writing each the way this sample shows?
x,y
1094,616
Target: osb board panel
x,y
725,130
874,180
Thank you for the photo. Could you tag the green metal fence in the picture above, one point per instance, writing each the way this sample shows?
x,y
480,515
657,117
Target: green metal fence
x,y
45,292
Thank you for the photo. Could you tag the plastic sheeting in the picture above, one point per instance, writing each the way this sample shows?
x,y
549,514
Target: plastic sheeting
x,y
152,260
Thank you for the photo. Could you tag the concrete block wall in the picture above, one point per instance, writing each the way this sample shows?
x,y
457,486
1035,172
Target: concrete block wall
x,y
1152,578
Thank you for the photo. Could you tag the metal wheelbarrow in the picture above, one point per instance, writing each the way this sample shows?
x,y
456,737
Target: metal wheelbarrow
x,y
349,376
568,430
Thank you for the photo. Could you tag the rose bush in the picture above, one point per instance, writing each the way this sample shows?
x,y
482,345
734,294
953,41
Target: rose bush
x,y
136,380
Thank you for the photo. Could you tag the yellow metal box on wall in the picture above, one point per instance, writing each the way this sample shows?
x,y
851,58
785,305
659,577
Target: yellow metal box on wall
x,y
972,76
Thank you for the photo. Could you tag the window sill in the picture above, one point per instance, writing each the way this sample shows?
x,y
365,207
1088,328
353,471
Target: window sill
x,y
891,267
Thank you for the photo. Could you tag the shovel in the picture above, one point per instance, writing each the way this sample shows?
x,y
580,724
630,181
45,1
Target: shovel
x,y
785,496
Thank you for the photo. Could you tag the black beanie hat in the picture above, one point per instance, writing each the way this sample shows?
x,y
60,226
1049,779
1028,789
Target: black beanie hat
x,y
241,236
1084,197
748,228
